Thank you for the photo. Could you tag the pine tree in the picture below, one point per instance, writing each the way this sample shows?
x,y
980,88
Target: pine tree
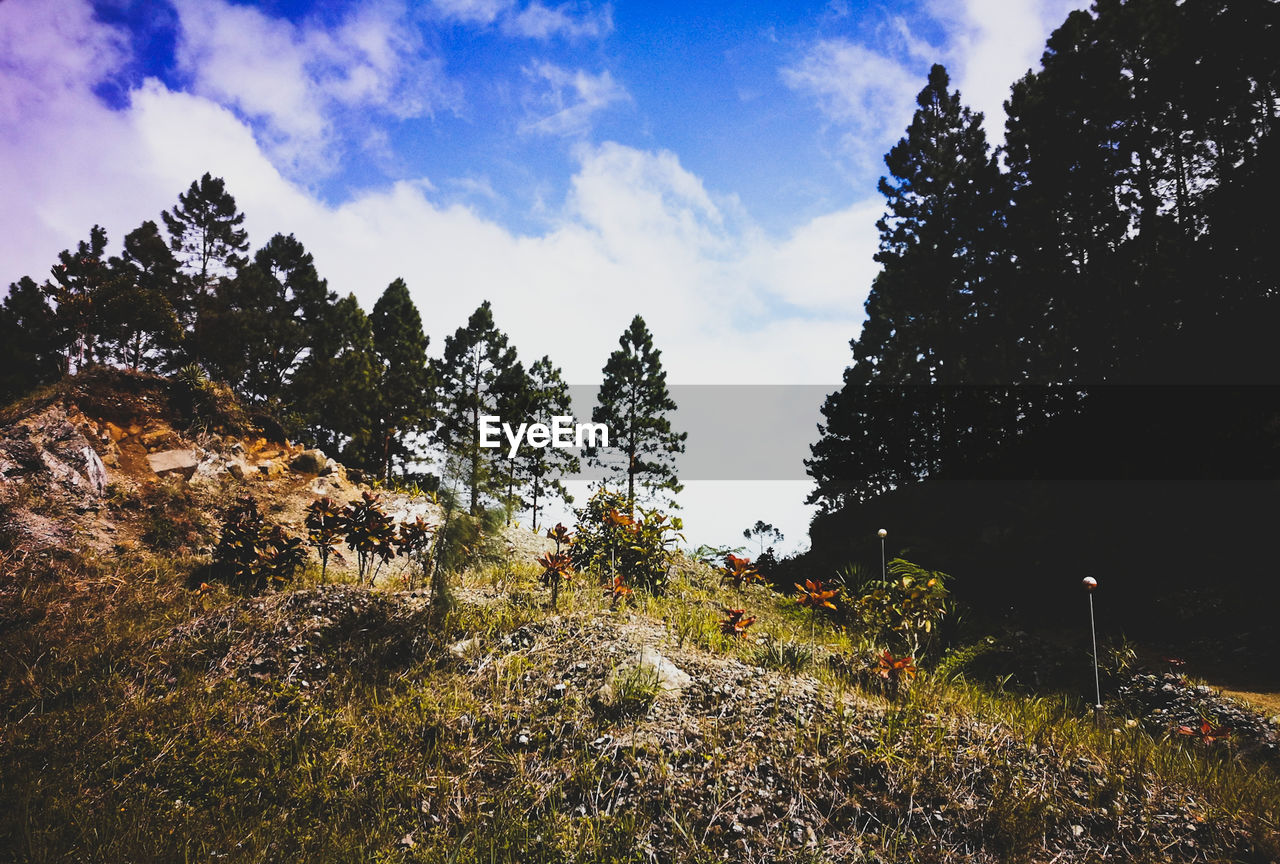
x,y
80,279
259,325
633,403
937,240
933,313
29,352
205,235
468,378
204,231
138,310
513,401
335,389
541,469
404,390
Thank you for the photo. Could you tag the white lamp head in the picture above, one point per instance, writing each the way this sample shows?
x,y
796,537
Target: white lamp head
x,y
1090,583
882,533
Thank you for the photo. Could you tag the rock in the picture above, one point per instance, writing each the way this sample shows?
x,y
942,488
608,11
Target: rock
x,y
236,469
333,468
270,469
670,676
95,470
309,462
182,462
463,648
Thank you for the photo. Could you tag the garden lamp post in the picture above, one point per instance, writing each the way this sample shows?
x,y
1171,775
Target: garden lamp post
x,y
884,573
1089,584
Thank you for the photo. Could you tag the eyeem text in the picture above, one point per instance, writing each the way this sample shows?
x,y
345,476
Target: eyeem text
x,y
561,434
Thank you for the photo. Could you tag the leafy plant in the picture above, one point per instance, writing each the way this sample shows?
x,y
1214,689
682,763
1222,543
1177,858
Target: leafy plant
x,y
414,542
281,557
612,542
251,555
325,524
739,571
556,568
908,606
734,624
815,594
617,591
895,672
561,535
371,534
1206,733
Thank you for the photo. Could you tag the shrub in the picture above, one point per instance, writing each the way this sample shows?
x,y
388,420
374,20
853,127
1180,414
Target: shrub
x,y
611,542
907,606
325,525
252,555
371,534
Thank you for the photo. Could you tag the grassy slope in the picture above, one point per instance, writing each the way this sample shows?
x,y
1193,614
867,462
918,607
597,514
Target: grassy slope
x,y
147,722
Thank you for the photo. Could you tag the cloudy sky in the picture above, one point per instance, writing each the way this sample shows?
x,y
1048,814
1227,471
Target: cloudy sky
x,y
710,166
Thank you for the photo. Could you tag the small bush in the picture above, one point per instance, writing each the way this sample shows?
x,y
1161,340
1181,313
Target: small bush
x,y
251,555
611,542
905,608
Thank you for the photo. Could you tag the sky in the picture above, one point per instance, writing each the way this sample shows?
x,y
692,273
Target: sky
x,y
711,166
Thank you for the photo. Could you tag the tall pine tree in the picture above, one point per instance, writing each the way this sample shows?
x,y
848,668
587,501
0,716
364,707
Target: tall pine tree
x,y
404,400
541,468
139,315
335,389
30,355
470,385
633,403
933,313
260,324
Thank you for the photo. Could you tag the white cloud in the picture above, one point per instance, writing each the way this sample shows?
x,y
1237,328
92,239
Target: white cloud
x,y
471,11
49,52
868,94
537,21
290,79
566,101
992,43
864,92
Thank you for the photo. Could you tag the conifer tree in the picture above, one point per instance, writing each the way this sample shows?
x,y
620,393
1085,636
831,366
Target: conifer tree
x,y
541,468
77,290
30,355
260,324
469,380
933,312
204,231
335,389
206,236
139,318
633,403
403,380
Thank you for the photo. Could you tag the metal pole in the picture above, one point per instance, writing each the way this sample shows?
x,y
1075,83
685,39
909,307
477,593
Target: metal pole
x,y
1089,584
884,572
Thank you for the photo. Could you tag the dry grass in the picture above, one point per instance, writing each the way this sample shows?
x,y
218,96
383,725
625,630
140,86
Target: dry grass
x,y
145,721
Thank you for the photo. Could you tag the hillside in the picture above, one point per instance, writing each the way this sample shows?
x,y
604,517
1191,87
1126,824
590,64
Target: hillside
x,y
151,713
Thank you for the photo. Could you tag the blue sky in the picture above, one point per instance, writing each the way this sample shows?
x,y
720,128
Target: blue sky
x,y
711,166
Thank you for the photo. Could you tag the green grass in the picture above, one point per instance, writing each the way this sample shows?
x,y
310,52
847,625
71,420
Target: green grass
x,y
121,744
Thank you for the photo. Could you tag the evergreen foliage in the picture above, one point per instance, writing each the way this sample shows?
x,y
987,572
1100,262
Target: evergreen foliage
x,y
472,378
403,402
633,403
